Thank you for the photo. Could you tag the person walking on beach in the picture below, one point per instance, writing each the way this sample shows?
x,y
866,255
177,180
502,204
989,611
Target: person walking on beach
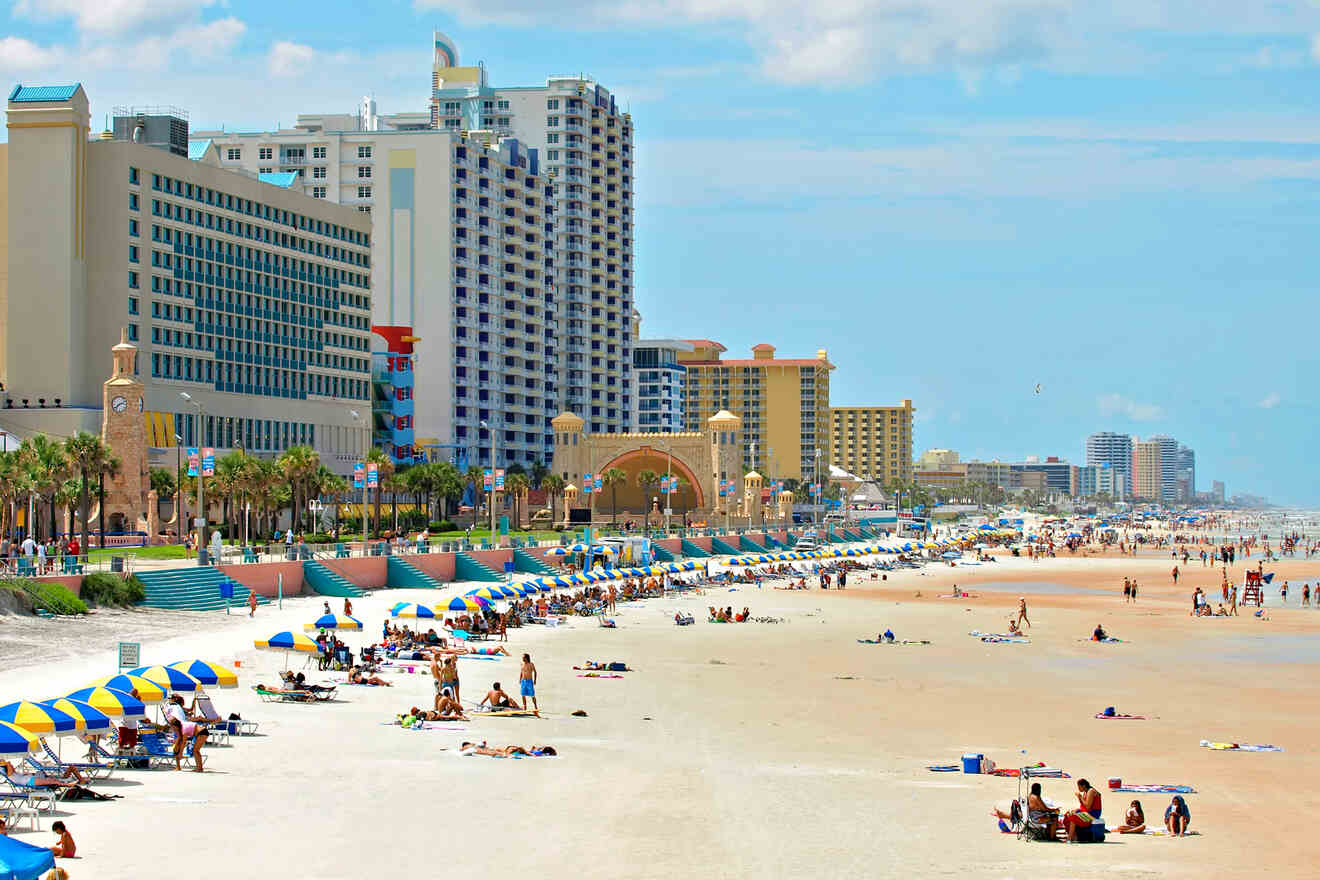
x,y
348,607
1022,612
1283,593
252,603
1175,575
449,677
527,683
1232,600
1127,590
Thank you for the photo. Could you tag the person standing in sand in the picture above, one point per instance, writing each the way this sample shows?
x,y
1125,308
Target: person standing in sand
x,y
1022,612
435,678
527,683
252,603
1232,600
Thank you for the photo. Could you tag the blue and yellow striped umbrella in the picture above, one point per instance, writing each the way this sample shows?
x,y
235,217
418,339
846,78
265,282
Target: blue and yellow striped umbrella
x,y
463,603
169,678
15,740
208,673
412,609
288,641
89,717
38,719
334,621
492,594
147,691
111,701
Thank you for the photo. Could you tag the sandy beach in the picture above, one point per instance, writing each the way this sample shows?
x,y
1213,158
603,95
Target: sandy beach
x,y
739,750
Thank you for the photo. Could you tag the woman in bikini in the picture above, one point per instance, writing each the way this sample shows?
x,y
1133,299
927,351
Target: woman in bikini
x,y
1134,822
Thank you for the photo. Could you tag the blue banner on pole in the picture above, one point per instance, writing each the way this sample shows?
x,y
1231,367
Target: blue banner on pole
x,y
359,475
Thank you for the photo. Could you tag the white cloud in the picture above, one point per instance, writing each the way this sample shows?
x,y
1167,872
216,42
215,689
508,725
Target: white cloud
x,y
846,41
1116,404
116,17
1270,401
21,57
286,58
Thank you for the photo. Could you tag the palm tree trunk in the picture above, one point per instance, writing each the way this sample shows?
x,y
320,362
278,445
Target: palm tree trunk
x,y
84,509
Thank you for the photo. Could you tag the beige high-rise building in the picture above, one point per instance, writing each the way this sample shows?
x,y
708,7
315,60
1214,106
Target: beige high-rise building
x,y
1147,472
250,298
874,442
784,405
937,460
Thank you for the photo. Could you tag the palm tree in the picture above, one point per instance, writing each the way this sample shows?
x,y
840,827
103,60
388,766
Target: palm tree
x,y
9,477
516,485
297,463
48,464
90,459
336,487
553,484
163,484
448,485
420,482
67,499
611,479
676,490
227,482
538,473
476,478
394,484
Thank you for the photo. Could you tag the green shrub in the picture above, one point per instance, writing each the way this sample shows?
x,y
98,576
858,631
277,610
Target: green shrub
x,y
103,588
319,538
443,526
49,595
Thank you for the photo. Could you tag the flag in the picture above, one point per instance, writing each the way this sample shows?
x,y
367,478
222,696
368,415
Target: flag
x,y
373,475
359,474
486,478
194,461
208,462
499,479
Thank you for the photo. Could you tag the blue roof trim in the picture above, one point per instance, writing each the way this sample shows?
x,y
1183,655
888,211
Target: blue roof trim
x,y
42,94
283,179
197,149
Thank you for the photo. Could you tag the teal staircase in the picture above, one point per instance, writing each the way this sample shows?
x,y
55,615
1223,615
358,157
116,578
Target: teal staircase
x,y
748,545
190,589
773,543
851,536
690,549
662,555
528,564
400,574
718,546
868,534
792,539
326,582
467,568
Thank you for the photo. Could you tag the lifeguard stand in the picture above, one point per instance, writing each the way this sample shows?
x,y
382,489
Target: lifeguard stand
x,y
1253,589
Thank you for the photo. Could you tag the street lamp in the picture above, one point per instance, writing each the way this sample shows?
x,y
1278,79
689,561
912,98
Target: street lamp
x,y
669,481
357,417
201,509
491,432
815,512
178,483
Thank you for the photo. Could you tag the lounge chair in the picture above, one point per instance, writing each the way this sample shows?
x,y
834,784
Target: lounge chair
x,y
231,726
130,759
39,797
159,751
16,808
283,695
92,769
217,729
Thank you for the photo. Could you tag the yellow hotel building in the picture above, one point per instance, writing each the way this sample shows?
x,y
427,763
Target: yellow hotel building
x,y
873,442
784,404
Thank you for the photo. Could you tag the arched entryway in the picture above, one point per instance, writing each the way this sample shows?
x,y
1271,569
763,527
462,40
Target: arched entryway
x,y
636,498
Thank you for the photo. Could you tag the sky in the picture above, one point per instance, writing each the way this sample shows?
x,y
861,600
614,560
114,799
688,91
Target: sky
x,y
959,199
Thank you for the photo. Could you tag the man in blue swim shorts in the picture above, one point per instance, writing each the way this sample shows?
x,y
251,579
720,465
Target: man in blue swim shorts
x,y
527,683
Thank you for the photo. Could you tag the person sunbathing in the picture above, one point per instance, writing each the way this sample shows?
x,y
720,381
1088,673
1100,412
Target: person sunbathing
x,y
742,616
1134,821
498,698
469,748
42,780
1013,629
683,619
446,709
355,676
485,652
613,666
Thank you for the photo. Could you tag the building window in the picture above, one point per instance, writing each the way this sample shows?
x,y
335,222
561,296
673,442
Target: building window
x,y
132,332
502,105
364,151
364,172
552,138
364,192
265,170
552,155
132,305
133,201
133,176
133,280
504,121
318,173
318,152
233,154
132,253
453,123
133,228
318,192
266,153
552,104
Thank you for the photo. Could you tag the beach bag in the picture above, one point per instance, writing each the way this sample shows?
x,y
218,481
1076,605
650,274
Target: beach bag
x,y
79,793
1109,711
617,667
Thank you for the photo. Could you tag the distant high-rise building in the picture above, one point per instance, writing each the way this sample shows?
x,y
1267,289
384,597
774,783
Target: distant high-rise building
x,y
1186,473
874,442
1217,491
1168,467
937,459
1115,450
1147,477
659,384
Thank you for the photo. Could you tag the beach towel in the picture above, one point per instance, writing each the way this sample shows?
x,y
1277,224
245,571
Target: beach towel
x,y
1237,747
894,642
1156,789
1000,638
1164,832
598,675
1107,640
478,656
1119,717
944,768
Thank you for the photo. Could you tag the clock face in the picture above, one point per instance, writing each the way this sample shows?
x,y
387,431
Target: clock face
x,y
119,404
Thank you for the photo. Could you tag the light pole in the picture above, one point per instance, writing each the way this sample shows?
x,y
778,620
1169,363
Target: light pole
x,y
201,509
815,511
247,516
178,483
357,416
317,508
491,432
669,488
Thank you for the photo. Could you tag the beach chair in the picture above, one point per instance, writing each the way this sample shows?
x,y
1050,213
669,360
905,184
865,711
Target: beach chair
x,y
217,728
158,751
14,809
249,555
91,769
283,695
126,758
37,797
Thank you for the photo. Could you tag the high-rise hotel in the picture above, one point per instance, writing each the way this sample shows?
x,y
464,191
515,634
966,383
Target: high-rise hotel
x,y
239,291
503,228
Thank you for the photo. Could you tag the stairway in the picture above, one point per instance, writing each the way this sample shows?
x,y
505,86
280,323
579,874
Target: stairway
x,y
662,555
327,582
792,539
400,574
690,549
851,536
773,543
748,545
467,568
191,589
528,564
718,546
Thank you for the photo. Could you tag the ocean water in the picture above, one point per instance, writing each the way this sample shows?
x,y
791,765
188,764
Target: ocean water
x,y
1270,648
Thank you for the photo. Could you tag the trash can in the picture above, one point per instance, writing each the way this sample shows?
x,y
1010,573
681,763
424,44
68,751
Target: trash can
x,y
117,564
203,558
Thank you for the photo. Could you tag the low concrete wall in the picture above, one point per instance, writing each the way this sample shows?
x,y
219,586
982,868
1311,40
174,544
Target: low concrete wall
x,y
438,565
262,578
702,542
673,545
494,558
72,581
364,572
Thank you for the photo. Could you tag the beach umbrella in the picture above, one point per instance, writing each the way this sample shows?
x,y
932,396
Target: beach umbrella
x,y
38,719
208,673
169,678
334,621
578,548
111,701
15,740
288,641
88,716
148,691
412,609
509,591
23,861
603,550
493,594
462,603
557,551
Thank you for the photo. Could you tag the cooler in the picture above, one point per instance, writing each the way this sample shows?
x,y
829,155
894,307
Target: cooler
x,y
972,763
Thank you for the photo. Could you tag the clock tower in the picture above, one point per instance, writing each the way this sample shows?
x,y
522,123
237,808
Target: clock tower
x,y
123,429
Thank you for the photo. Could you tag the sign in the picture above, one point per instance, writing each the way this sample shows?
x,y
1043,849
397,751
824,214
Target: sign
x,y
486,478
194,461
208,462
597,483
508,567
130,655
199,521
669,511
373,475
359,475
499,478
226,589
587,483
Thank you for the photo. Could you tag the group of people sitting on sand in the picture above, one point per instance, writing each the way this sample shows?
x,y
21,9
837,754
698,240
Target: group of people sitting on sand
x,y
1053,823
726,615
